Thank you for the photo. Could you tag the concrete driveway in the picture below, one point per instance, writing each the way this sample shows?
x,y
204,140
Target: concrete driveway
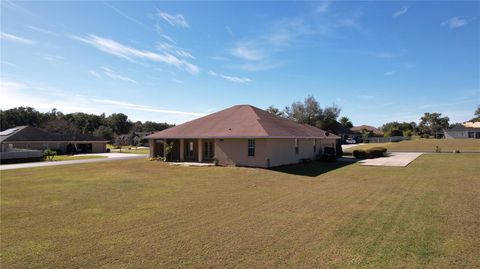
x,y
109,157
347,146
396,159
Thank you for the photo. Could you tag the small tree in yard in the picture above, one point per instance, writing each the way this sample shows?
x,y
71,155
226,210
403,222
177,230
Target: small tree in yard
x,y
120,141
49,154
168,149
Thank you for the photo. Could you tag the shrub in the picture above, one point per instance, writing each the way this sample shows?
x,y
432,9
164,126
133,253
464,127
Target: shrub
x,y
49,154
374,152
360,153
329,154
158,158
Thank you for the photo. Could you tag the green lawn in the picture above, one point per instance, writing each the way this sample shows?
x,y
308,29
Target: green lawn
x,y
446,145
71,158
143,214
132,150
129,149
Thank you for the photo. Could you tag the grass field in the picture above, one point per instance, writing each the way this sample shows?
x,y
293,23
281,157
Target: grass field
x,y
71,158
129,149
446,145
142,214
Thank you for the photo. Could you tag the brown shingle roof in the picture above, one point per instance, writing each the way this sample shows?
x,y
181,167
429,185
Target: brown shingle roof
x,y
242,121
359,129
28,133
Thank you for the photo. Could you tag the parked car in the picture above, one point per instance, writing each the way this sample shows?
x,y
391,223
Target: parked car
x,y
351,141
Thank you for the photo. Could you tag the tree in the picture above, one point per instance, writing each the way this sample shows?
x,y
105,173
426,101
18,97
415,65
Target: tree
x,y
433,123
345,122
399,129
275,111
120,141
119,123
476,115
105,132
20,116
60,126
310,112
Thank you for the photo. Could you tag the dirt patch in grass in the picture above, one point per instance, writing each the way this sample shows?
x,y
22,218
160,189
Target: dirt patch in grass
x,y
141,214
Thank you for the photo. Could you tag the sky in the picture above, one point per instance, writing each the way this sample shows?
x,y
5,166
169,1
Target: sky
x,y
174,61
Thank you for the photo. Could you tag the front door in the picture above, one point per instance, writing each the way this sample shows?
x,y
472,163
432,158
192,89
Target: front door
x,y
208,150
191,150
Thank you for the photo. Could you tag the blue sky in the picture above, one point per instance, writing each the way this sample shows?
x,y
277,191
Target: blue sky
x,y
175,61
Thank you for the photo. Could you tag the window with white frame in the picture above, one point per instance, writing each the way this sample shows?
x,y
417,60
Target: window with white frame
x,y
296,145
251,147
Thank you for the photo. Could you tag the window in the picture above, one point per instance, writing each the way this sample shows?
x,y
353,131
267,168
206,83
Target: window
x,y
296,145
314,145
251,147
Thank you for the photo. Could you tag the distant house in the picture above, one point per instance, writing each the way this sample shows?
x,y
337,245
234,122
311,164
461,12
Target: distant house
x,y
32,138
242,135
359,130
465,130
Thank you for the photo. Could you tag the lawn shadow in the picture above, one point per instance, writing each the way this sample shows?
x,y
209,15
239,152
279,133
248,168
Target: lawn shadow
x,y
311,169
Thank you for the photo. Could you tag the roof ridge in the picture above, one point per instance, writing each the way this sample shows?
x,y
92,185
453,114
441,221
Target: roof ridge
x,y
255,111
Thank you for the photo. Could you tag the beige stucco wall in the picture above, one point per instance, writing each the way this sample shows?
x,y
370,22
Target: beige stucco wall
x,y
235,152
268,152
99,147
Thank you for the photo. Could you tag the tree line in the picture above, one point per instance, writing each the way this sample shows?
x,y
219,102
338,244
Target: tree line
x,y
108,127
310,112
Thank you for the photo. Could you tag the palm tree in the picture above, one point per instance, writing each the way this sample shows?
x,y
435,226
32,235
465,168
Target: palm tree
x,y
345,121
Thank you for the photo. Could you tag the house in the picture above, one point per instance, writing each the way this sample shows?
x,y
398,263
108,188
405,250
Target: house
x,y
359,130
32,138
242,135
465,130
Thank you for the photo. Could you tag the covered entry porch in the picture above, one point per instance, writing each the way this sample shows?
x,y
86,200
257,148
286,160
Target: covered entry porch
x,y
184,150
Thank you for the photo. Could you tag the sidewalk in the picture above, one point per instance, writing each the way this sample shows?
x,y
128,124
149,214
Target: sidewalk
x,y
110,157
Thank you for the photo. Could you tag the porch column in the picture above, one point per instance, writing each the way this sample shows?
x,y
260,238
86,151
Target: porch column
x,y
165,148
200,151
151,145
182,150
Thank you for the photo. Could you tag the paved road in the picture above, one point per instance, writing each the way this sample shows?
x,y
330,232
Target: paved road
x,y
110,157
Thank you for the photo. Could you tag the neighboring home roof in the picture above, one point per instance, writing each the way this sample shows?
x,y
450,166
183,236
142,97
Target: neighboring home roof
x,y
359,129
242,121
461,128
470,124
27,133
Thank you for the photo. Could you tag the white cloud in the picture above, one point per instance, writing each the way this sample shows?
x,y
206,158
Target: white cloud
x,y
322,7
230,78
113,75
40,30
123,14
385,54
168,48
123,51
218,58
8,85
145,108
94,73
16,39
174,20
454,22
229,30
247,52
400,12
168,38
389,73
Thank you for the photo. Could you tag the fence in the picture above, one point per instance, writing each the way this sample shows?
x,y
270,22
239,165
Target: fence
x,y
387,139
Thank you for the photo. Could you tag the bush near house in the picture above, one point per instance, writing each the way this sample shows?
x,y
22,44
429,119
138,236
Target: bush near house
x,y
370,153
